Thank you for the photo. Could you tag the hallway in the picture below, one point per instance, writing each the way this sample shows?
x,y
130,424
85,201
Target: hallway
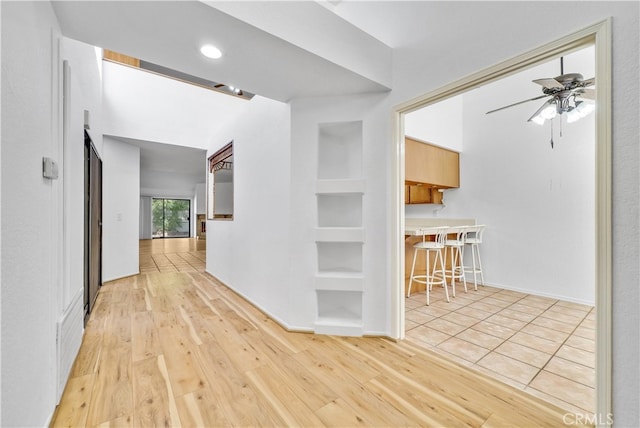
x,y
177,348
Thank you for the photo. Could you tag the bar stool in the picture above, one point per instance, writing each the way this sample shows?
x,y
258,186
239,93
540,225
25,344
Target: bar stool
x,y
431,276
473,238
455,246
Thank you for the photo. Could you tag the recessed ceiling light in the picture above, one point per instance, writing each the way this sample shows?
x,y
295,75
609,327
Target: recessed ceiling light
x,y
211,51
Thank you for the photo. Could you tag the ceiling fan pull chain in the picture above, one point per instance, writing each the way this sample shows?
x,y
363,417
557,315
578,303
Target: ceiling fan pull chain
x,y
560,126
551,133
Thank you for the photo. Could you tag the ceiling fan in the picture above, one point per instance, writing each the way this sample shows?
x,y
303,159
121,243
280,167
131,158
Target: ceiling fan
x,y
567,93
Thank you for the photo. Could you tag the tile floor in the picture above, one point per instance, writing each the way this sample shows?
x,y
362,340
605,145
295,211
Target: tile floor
x,y
540,345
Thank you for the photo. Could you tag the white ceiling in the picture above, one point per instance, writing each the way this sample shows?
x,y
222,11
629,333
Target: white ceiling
x,y
170,33
395,23
168,158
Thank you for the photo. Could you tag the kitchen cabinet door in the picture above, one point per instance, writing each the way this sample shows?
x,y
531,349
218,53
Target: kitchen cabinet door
x,y
422,194
425,163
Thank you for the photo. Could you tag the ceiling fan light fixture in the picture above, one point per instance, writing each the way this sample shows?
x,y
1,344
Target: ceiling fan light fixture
x,y
538,120
586,107
573,115
562,91
547,112
582,109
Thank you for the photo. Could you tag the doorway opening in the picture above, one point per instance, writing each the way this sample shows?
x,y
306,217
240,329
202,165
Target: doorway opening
x,y
92,225
171,218
599,36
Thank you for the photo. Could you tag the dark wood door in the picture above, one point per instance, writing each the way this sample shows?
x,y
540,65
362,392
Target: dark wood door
x,y
93,225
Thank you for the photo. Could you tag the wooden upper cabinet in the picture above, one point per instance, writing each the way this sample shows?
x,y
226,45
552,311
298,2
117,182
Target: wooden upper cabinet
x,y
421,194
431,165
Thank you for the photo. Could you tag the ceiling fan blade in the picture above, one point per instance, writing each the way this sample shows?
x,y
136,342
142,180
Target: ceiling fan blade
x,y
518,103
589,94
549,83
588,82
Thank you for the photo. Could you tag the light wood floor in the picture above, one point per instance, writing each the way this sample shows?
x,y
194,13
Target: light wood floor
x,y
181,349
172,255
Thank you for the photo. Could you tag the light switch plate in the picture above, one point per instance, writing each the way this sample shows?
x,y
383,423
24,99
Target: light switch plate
x,y
49,168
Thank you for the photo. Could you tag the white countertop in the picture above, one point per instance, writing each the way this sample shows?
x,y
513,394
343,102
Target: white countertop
x,y
438,221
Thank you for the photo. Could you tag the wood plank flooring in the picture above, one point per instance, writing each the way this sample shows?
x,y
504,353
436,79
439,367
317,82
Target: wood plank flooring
x,y
172,255
181,349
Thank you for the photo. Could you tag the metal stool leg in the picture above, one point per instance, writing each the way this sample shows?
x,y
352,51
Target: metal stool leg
x,y
413,267
444,276
429,278
480,265
460,266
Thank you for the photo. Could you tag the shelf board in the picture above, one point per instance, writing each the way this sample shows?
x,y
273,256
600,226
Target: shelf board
x,y
337,186
338,326
340,273
339,234
339,282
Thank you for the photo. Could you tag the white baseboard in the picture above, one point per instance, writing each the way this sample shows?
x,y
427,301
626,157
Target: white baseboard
x,y
281,322
70,328
537,293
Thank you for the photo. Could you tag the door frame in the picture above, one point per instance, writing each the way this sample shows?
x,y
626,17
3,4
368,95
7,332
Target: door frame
x,y
89,237
599,35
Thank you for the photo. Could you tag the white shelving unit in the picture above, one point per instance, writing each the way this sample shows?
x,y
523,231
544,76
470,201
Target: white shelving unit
x,y
339,234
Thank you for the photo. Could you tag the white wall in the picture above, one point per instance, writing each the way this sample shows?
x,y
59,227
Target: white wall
x,y
0,223
144,106
32,54
544,195
439,124
84,92
201,198
31,213
251,252
223,198
515,183
120,209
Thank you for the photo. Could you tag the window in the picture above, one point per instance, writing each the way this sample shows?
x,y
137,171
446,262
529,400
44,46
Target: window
x,y
220,184
171,218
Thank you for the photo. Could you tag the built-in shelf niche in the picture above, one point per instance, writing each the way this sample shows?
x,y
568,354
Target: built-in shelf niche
x,y
340,150
339,312
339,232
340,210
339,257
